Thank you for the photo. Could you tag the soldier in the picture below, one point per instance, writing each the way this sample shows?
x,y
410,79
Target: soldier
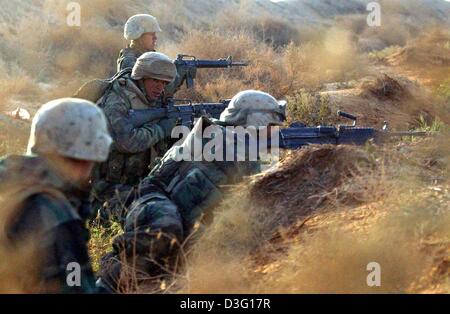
x,y
135,147
178,194
44,194
140,30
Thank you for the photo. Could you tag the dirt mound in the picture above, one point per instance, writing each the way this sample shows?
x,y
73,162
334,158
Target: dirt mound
x,y
364,216
387,97
385,87
312,178
400,98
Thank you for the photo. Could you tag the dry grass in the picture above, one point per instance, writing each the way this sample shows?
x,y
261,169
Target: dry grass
x,y
311,109
15,84
101,240
395,214
267,29
330,57
13,137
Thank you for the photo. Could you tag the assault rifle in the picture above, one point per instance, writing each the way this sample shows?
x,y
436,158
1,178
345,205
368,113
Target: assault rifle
x,y
298,135
184,113
187,70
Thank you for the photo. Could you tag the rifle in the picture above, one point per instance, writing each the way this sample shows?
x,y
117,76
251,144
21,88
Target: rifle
x,y
298,135
187,70
184,113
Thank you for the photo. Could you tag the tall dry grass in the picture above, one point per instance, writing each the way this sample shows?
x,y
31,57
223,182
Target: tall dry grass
x,y
64,57
401,223
330,57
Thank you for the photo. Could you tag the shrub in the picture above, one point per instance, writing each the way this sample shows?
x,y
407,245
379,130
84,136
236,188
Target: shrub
x,y
310,109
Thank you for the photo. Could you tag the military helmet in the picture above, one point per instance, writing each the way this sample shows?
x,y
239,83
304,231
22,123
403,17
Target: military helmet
x,y
70,127
139,24
154,65
254,108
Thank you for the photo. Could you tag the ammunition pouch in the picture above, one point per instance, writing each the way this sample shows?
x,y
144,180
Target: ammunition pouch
x,y
194,193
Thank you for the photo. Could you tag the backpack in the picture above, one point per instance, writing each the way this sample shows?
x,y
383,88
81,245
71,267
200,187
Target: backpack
x,y
94,89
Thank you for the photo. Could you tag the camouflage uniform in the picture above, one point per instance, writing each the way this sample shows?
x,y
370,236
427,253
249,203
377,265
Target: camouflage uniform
x,y
127,57
178,197
52,213
134,149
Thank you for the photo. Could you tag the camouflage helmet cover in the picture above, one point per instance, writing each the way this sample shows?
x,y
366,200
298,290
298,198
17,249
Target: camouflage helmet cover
x,y
254,108
139,24
70,127
154,65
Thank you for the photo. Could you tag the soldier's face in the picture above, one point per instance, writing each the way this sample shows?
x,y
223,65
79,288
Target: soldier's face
x,y
148,41
77,171
81,170
154,88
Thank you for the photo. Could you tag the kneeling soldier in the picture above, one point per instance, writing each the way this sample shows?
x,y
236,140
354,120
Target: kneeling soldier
x,y
44,195
135,147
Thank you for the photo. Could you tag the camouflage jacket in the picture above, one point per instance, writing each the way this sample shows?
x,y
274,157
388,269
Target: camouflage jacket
x,y
41,207
127,58
134,148
195,186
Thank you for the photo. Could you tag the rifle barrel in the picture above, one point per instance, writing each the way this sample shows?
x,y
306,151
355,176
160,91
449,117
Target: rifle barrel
x,y
211,64
239,64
